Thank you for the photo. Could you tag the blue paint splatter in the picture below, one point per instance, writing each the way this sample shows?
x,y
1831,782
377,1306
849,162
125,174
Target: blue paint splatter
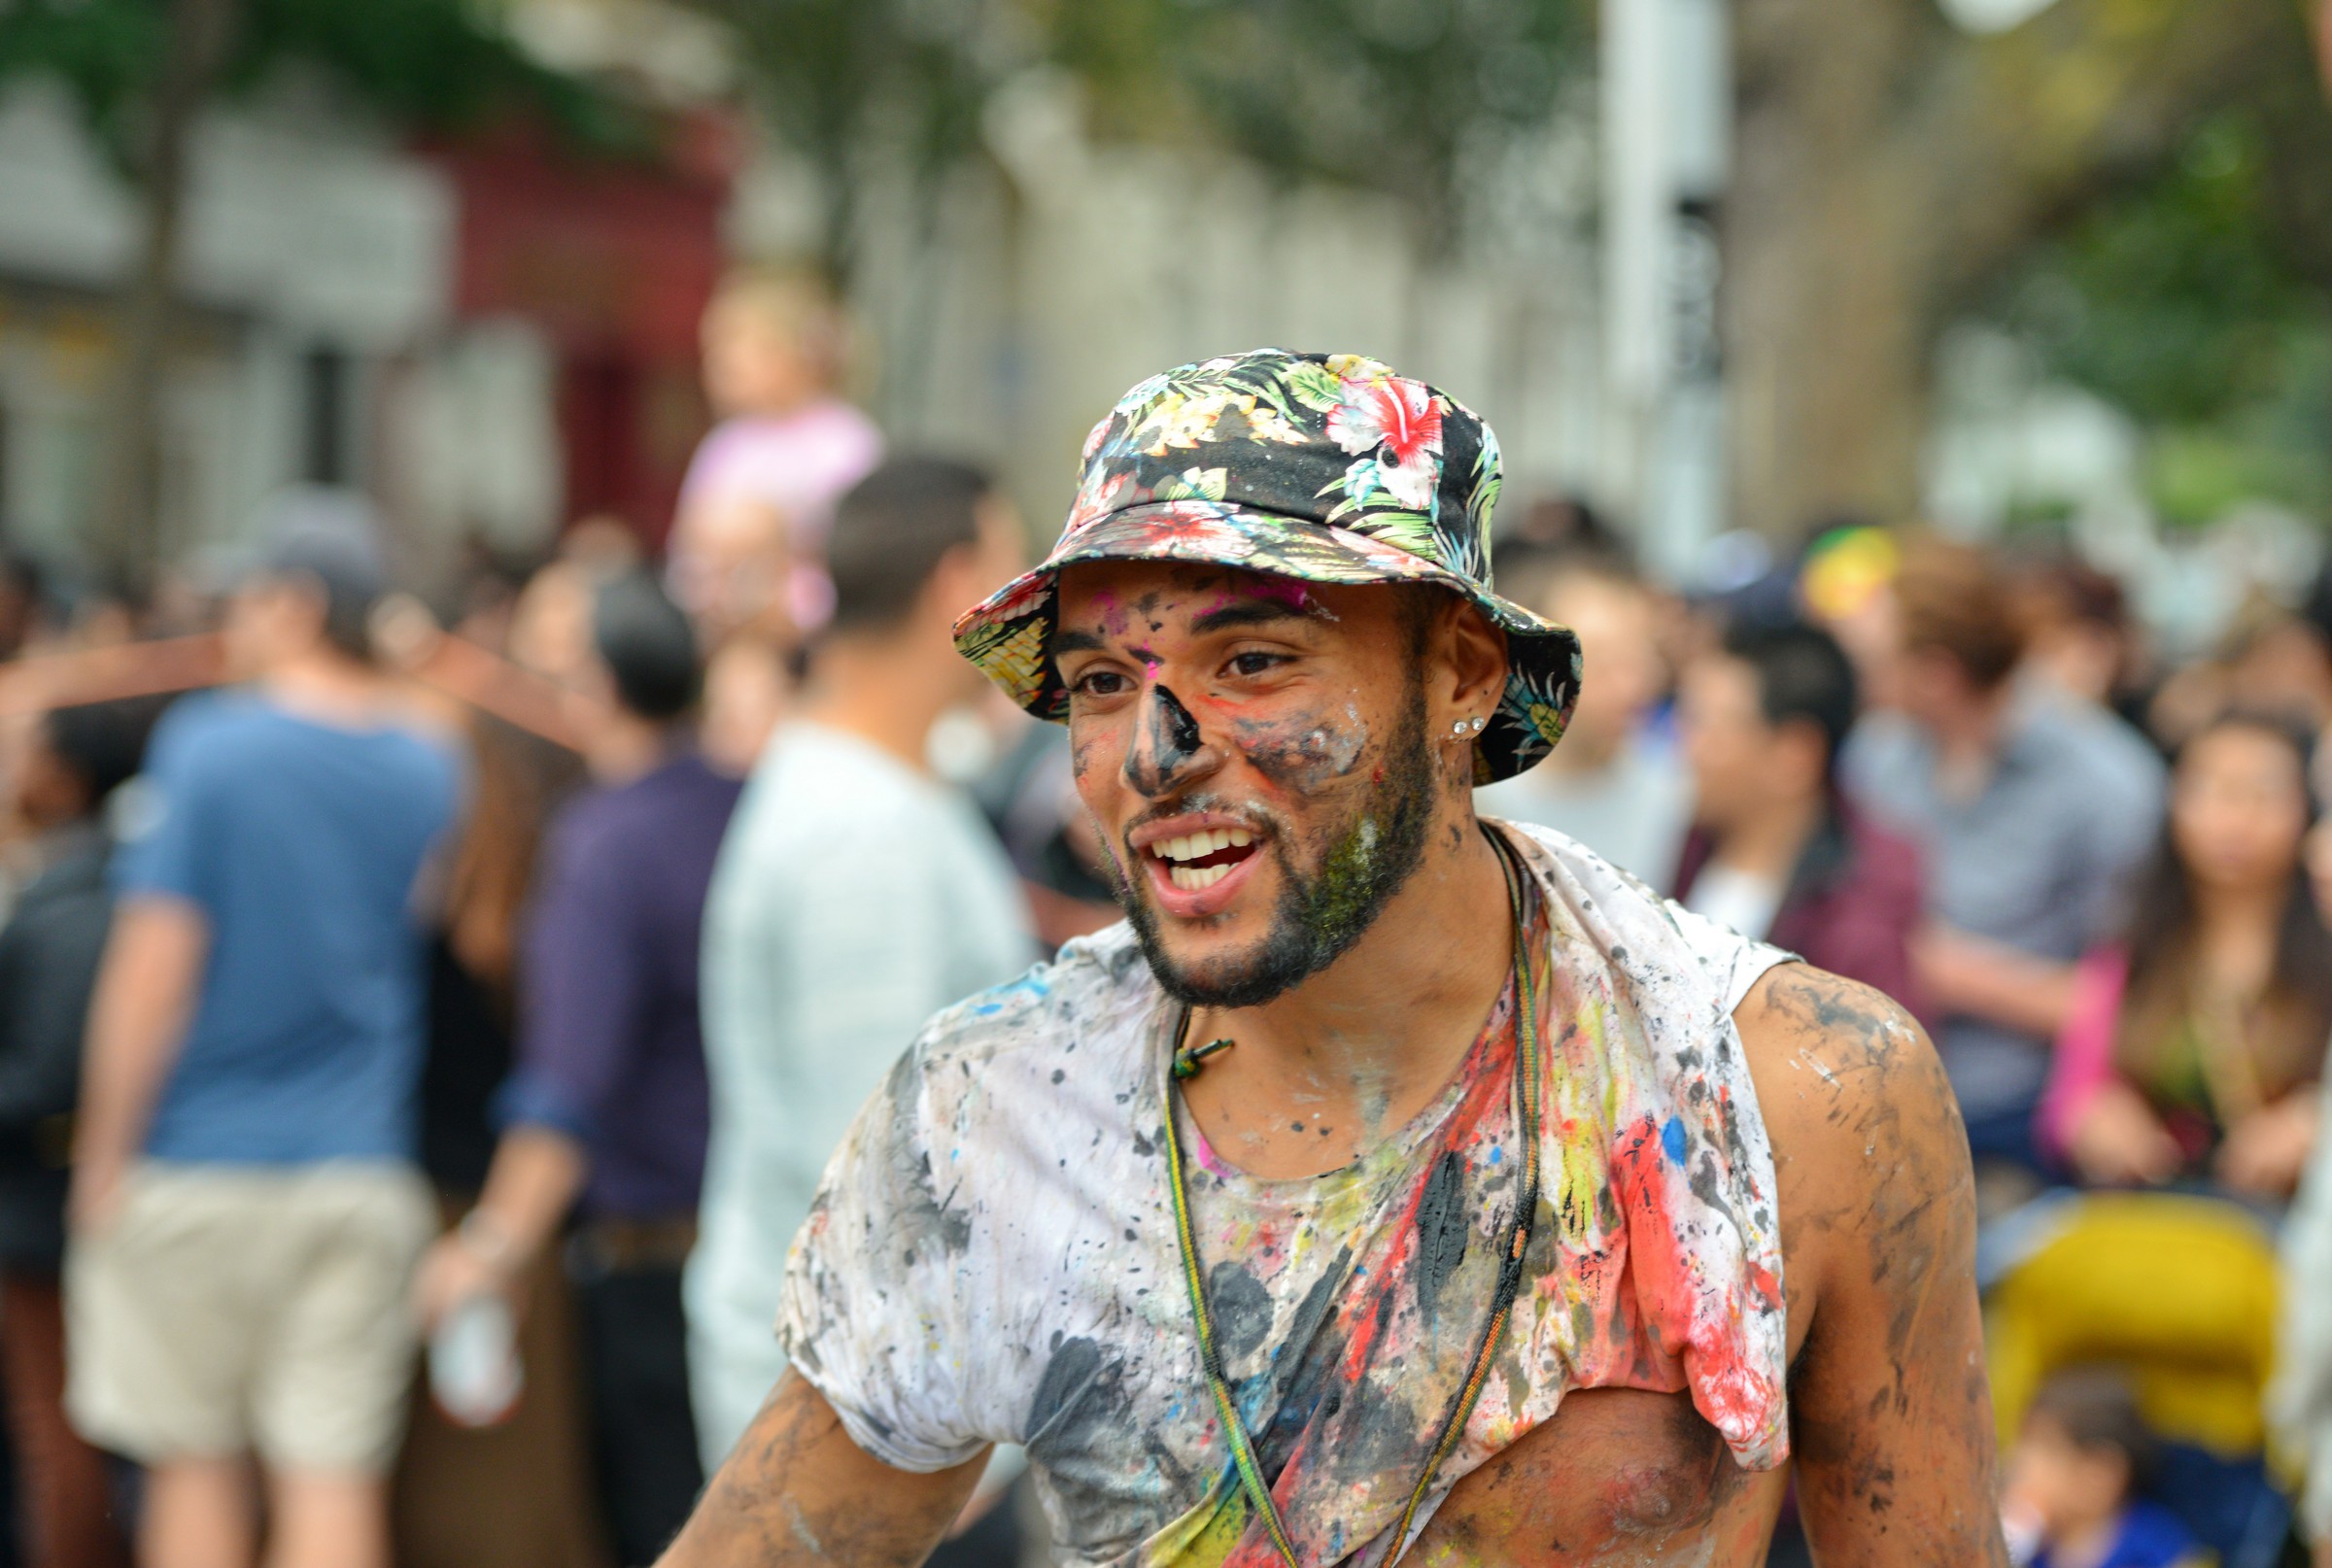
x,y
1671,1140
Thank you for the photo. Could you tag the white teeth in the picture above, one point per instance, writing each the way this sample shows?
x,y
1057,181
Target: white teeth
x,y
1199,845
1192,878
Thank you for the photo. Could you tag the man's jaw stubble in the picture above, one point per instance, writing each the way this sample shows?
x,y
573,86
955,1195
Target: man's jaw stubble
x,y
1365,861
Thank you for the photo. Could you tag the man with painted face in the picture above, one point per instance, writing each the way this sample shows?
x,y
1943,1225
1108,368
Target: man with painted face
x,y
1394,1184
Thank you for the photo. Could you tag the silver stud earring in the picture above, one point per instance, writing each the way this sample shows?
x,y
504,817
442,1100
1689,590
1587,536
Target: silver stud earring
x,y
1478,724
1458,730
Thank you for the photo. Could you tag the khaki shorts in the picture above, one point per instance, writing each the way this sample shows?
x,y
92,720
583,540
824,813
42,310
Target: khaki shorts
x,y
232,1310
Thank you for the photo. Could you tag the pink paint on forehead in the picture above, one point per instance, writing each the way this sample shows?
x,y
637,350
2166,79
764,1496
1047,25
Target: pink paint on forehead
x,y
1287,591
1112,614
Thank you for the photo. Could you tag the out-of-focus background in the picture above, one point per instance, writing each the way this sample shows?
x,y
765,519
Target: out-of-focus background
x,y
2047,271
1922,408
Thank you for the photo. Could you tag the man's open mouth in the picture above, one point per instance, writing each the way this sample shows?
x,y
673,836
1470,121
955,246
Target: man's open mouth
x,y
1200,860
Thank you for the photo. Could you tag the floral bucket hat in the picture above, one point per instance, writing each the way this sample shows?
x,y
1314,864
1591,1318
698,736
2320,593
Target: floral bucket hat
x,y
1321,467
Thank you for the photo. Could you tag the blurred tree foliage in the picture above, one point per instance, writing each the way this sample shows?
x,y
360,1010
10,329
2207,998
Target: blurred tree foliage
x,y
1385,94
1892,172
142,71
436,65
1391,95
2199,300
848,84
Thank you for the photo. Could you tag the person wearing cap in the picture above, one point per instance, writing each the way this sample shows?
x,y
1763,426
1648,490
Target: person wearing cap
x,y
245,1214
1394,1182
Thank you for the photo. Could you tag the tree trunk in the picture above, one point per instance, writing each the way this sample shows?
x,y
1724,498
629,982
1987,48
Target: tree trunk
x,y
128,502
1886,166
1825,227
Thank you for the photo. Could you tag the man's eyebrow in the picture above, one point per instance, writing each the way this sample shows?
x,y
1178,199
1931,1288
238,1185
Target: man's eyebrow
x,y
1246,612
1077,643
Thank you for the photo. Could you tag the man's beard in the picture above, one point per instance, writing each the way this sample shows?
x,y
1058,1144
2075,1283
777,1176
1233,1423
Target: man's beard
x,y
1320,916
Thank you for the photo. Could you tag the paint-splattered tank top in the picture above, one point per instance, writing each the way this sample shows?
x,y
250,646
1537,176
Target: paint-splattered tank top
x,y
993,1258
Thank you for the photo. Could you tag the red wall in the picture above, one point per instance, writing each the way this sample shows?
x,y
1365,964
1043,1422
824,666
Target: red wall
x,y
614,262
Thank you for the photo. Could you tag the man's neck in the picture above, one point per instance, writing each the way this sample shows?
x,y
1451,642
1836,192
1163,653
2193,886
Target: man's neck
x,y
1767,843
2237,929
327,688
625,747
779,410
881,690
1969,741
2088,1543
1353,1053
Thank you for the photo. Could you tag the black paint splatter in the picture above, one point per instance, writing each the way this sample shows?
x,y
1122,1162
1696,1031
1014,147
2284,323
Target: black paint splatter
x,y
1442,1228
1242,1308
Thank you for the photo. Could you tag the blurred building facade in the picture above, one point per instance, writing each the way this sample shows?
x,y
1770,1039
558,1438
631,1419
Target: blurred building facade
x,y
312,263
1054,270
489,337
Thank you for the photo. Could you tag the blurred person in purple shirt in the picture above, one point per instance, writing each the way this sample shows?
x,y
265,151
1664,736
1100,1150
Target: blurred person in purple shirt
x,y
606,1111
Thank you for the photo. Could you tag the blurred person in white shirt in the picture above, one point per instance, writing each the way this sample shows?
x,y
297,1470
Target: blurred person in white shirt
x,y
1614,784
855,896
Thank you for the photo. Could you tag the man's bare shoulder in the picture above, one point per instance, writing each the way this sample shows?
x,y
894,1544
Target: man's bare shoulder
x,y
1891,1419
1867,1144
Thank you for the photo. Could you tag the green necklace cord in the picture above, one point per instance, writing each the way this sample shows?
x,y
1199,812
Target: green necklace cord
x,y
1513,1245
1191,1060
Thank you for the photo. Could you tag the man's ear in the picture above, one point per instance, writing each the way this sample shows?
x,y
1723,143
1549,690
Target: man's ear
x,y
1471,652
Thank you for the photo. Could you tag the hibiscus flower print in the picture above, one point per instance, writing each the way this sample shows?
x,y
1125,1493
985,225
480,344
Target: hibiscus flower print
x,y
1397,422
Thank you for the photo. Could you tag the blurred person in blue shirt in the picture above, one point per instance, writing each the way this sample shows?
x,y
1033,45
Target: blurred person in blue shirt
x,y
245,1210
606,1111
2031,834
2075,1495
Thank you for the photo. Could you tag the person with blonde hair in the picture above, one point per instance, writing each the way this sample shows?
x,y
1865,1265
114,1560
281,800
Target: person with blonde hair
x,y
748,541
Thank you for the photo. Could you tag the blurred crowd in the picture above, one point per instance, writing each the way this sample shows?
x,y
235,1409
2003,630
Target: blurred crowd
x,y
423,1026
1963,775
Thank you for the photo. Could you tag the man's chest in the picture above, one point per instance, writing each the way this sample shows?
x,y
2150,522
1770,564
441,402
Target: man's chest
x,y
1615,1474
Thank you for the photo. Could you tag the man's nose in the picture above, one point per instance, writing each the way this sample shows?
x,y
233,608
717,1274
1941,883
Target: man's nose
x,y
1168,750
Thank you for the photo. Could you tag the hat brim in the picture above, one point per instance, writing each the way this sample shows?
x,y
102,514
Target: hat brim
x,y
1009,637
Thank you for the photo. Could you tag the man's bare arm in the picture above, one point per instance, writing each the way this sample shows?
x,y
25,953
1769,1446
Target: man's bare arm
x,y
798,1491
1891,1414
145,996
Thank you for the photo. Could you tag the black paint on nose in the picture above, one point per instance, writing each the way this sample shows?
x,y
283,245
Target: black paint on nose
x,y
1181,729
1169,739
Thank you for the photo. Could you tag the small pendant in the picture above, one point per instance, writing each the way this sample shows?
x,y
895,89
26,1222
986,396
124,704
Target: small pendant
x,y
1189,1060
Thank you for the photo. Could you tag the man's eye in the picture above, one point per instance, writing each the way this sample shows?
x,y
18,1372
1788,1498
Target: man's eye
x,y
1253,663
1101,683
